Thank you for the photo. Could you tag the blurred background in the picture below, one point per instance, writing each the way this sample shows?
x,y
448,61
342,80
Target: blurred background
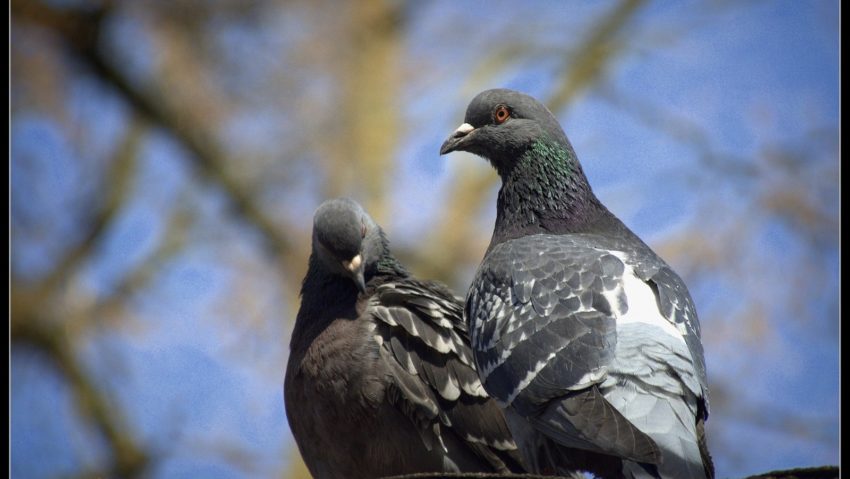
x,y
167,157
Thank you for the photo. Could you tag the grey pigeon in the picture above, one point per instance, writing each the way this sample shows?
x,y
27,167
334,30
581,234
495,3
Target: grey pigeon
x,y
584,335
380,379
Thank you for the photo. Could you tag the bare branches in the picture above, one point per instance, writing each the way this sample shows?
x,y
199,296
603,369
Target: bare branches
x,y
31,329
453,241
595,54
81,32
35,322
120,177
361,129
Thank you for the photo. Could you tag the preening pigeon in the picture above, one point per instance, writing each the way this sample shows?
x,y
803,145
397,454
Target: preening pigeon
x,y
584,335
380,379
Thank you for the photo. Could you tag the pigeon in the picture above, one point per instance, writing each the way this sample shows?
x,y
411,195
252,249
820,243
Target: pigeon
x,y
380,379
588,340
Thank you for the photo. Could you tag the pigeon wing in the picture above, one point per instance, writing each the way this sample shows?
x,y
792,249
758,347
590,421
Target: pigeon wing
x,y
542,312
424,342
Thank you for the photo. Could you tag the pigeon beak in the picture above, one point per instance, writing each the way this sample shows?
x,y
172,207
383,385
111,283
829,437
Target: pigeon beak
x,y
355,267
454,142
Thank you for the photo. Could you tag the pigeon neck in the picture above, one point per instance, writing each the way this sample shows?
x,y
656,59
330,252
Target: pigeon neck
x,y
389,266
545,192
386,265
325,296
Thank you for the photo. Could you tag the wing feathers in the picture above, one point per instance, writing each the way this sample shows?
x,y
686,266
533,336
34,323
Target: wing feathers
x,y
543,316
423,340
587,421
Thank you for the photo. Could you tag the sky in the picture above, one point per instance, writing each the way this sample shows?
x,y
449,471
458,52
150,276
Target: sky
x,y
199,388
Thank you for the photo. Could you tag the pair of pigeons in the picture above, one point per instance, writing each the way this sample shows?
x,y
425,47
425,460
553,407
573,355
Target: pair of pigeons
x,y
577,348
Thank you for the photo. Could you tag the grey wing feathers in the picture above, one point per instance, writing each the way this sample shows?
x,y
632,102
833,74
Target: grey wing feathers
x,y
543,315
673,298
675,303
527,357
584,420
424,341
583,276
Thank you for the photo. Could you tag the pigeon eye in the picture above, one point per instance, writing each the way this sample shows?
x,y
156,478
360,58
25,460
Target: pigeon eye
x,y
501,114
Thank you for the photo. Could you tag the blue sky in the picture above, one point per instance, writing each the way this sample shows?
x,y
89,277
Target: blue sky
x,y
200,382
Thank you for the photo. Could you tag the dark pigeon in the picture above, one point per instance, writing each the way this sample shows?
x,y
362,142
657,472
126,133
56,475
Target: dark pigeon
x,y
380,379
584,335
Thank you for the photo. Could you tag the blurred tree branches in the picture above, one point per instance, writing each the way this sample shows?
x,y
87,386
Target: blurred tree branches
x,y
325,92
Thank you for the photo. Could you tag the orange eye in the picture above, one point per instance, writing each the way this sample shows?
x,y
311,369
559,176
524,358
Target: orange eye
x,y
501,114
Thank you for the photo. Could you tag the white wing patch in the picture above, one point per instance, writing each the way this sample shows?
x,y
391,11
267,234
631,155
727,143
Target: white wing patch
x,y
643,306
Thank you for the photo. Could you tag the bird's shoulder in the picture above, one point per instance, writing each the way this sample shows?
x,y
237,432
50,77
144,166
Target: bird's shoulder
x,y
539,268
583,264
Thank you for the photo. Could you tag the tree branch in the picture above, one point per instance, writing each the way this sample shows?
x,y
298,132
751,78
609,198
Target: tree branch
x,y
28,328
80,32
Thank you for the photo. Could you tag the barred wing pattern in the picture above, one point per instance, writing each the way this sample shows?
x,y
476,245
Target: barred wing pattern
x,y
424,343
559,324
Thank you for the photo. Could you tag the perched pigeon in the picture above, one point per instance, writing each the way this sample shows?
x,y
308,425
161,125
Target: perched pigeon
x,y
381,379
583,334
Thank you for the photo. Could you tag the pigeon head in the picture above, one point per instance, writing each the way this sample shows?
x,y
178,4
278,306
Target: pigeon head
x,y
544,188
501,124
346,239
